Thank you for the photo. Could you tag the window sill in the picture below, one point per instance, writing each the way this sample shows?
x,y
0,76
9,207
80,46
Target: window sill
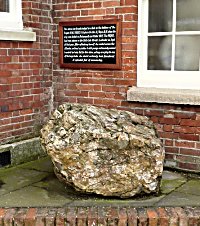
x,y
169,96
24,35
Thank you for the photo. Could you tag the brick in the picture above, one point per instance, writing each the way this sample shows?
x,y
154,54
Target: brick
x,y
40,216
173,216
191,137
61,217
188,122
50,218
84,5
188,166
8,217
184,144
123,218
168,135
142,217
132,216
102,218
125,10
168,142
185,115
30,217
131,2
183,220
169,121
112,214
19,216
173,150
92,216
153,217
193,217
71,216
2,215
192,152
186,129
82,216
163,216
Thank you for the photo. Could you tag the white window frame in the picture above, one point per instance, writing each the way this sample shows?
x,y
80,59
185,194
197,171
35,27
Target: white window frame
x,y
157,78
12,20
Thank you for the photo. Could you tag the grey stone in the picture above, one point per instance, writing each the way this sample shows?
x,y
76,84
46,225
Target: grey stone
x,y
104,151
162,95
24,151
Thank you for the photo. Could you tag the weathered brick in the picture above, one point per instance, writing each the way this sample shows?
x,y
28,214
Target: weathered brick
x,y
30,217
9,217
92,216
82,216
61,217
173,216
102,217
142,217
113,217
40,216
193,217
71,216
152,217
2,215
132,216
20,216
183,219
123,217
50,218
163,217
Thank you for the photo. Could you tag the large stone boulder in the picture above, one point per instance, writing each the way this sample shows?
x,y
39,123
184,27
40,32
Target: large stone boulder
x,y
104,151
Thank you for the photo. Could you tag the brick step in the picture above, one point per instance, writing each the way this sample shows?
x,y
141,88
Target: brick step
x,y
91,216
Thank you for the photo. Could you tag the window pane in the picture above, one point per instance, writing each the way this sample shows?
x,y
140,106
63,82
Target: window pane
x,y
4,5
187,53
188,15
159,53
160,15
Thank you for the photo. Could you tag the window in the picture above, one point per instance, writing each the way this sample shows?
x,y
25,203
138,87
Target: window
x,y
169,44
11,15
4,6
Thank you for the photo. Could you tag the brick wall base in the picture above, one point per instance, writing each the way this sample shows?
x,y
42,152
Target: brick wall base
x,y
100,216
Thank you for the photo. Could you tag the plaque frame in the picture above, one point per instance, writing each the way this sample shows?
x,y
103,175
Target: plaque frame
x,y
76,65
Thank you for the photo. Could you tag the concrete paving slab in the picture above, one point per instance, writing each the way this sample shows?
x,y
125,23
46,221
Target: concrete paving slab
x,y
191,187
176,199
33,197
171,181
44,165
16,178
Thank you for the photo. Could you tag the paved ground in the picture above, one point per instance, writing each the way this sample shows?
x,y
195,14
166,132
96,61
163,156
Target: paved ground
x,y
35,185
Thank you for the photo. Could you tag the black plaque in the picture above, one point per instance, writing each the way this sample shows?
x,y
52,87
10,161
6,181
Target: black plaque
x,y
90,44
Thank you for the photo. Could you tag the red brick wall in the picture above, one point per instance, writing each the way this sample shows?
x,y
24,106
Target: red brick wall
x,y
100,87
178,126
26,76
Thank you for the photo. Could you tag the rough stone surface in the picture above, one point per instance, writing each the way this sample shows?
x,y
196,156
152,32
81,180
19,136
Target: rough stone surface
x,y
104,151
